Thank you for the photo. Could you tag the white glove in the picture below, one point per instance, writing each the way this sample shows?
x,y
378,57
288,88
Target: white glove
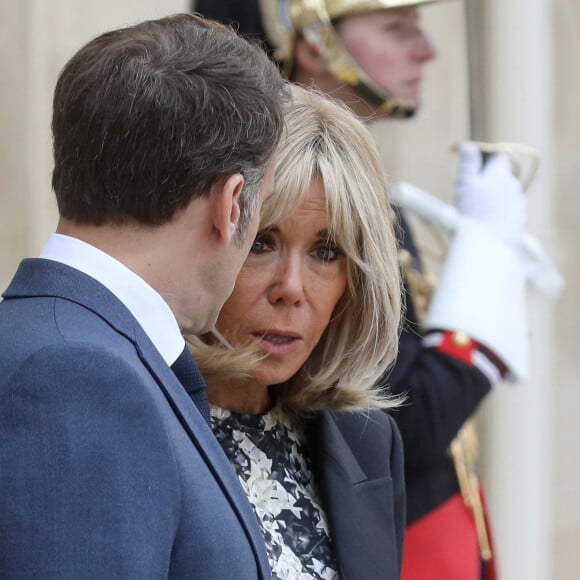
x,y
490,193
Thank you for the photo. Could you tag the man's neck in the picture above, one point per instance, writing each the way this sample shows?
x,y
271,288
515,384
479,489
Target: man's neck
x,y
157,254
129,243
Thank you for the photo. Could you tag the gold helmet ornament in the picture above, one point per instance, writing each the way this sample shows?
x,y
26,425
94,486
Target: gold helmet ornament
x,y
284,20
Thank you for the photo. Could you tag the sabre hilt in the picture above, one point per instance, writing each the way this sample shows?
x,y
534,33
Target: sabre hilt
x,y
524,159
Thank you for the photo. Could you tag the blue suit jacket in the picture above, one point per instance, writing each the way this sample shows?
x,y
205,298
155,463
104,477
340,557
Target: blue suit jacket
x,y
107,469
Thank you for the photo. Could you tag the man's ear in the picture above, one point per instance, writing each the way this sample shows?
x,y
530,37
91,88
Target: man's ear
x,y
225,205
308,59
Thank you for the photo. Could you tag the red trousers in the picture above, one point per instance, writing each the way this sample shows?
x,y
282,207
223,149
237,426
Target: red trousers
x,y
443,545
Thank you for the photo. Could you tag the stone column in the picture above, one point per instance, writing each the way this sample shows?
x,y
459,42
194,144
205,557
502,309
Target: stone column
x,y
519,106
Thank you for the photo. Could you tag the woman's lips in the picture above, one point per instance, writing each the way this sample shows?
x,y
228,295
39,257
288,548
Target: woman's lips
x,y
277,342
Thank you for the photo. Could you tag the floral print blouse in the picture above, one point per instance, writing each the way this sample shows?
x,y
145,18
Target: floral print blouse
x,y
273,464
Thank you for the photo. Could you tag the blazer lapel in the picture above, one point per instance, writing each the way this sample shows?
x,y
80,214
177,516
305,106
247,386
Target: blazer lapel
x,y
358,508
38,277
208,447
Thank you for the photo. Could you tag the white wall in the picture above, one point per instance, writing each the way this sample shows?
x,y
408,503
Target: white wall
x,y
37,37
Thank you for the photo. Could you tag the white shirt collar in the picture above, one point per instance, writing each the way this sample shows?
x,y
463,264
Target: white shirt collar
x,y
144,303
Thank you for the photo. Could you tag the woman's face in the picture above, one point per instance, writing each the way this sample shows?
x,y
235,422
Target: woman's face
x,y
391,47
287,290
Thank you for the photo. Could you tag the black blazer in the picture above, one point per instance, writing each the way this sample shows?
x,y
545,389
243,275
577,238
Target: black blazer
x,y
358,458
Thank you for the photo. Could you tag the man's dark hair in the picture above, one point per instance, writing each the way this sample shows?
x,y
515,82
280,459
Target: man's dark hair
x,y
147,117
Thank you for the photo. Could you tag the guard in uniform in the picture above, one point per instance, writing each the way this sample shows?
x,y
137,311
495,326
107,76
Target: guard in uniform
x,y
464,333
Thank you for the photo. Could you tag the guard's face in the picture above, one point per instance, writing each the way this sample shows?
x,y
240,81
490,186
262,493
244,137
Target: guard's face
x,y
391,47
286,291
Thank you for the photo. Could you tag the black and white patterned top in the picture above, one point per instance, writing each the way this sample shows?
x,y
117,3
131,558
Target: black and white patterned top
x,y
273,464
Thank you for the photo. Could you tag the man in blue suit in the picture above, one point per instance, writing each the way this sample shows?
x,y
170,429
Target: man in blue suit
x,y
163,137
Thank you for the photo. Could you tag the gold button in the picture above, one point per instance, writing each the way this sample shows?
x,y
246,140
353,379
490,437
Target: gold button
x,y
461,338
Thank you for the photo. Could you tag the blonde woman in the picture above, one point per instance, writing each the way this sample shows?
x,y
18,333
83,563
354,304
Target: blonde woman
x,y
311,325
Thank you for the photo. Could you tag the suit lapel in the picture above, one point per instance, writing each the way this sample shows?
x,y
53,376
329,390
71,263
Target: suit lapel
x,y
358,508
38,277
208,447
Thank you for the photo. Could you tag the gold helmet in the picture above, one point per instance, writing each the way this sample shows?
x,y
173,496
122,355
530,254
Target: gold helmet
x,y
284,20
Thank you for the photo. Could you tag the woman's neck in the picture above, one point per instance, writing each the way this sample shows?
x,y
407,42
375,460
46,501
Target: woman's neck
x,y
240,396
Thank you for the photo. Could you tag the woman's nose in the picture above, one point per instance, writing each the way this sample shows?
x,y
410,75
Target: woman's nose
x,y
288,282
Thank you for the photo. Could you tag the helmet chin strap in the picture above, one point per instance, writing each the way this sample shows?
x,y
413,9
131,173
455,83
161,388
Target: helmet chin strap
x,y
387,104
321,35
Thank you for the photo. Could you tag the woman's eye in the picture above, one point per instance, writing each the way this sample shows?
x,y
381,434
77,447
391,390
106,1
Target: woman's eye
x,y
261,244
328,252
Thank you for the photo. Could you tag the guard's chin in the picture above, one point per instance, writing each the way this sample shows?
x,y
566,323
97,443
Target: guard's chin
x,y
400,113
409,111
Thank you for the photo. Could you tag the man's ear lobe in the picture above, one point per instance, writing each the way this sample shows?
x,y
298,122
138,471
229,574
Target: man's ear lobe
x,y
225,199
308,59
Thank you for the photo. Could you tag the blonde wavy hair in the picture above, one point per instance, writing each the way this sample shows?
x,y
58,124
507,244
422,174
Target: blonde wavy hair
x,y
324,139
